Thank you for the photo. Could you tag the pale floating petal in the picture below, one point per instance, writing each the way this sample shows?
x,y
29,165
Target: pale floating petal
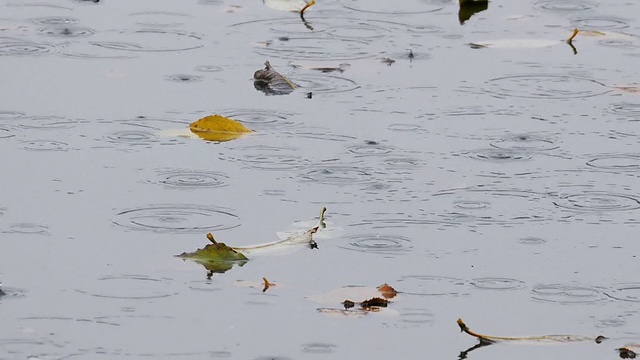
x,y
285,5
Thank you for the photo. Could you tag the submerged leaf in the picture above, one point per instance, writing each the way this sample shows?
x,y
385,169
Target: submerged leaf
x,y
272,82
489,339
218,128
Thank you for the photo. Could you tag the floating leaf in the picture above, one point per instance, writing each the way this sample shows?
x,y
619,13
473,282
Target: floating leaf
x,y
216,257
387,291
272,82
218,128
488,339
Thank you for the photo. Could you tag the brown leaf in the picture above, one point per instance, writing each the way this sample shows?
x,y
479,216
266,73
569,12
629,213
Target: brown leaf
x,y
387,291
374,302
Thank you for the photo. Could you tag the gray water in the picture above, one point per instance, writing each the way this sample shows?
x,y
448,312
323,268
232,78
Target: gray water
x,y
499,186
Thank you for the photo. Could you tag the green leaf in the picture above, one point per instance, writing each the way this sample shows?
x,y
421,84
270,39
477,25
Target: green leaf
x,y
216,257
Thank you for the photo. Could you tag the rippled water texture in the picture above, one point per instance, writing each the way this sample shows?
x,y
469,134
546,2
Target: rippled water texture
x,y
497,185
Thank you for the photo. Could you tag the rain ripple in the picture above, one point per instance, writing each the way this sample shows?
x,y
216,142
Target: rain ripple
x,y
337,174
66,31
29,228
192,179
625,292
258,118
44,145
269,158
184,78
16,47
160,18
564,5
55,20
370,148
545,86
568,294
427,285
321,48
153,40
497,155
5,132
324,83
318,348
172,218
391,8
497,284
616,162
135,287
630,111
598,202
379,244
47,123
599,23
525,142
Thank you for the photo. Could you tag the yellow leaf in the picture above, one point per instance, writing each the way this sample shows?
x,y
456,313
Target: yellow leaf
x,y
218,128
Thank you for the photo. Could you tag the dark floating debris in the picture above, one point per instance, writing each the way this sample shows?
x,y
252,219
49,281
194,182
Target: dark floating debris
x,y
272,82
388,61
468,8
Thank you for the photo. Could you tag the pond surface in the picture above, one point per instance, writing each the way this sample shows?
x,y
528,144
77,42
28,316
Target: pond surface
x,y
497,185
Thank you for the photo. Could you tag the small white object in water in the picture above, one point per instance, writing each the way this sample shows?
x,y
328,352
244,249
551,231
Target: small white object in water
x,y
285,5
